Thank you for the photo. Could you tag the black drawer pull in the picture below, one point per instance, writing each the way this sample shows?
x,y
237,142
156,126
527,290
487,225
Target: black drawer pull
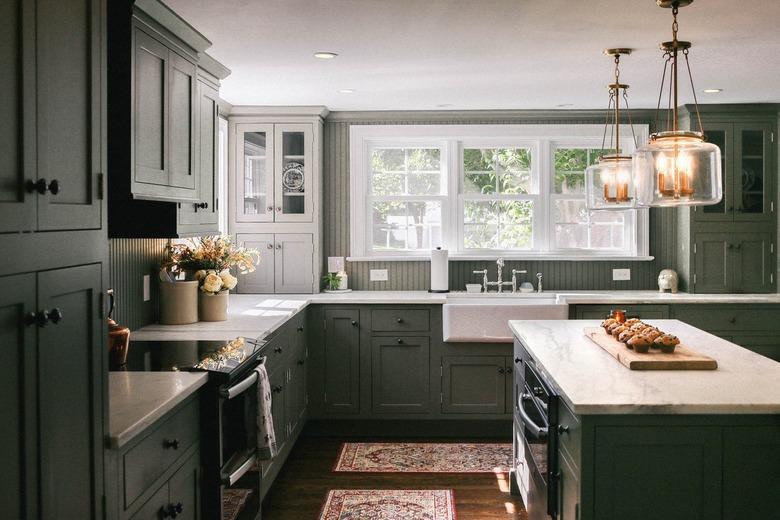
x,y
508,370
202,205
354,323
39,318
278,350
38,186
518,360
54,187
399,341
172,510
300,329
171,444
563,429
733,320
500,370
55,315
399,320
277,389
301,362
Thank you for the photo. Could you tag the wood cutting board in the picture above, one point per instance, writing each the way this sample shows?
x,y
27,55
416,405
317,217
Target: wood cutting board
x,y
683,357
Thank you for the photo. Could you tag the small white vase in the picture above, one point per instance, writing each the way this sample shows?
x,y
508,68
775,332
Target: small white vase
x,y
212,307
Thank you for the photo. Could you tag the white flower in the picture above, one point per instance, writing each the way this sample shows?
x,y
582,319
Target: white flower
x,y
200,275
228,279
212,283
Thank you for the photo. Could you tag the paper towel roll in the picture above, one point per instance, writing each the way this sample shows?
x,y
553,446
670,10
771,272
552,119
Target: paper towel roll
x,y
440,274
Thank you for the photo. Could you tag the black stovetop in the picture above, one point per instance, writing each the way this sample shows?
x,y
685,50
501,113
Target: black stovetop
x,y
226,360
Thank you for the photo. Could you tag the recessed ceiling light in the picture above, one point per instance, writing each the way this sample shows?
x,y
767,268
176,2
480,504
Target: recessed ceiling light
x,y
346,90
712,90
323,55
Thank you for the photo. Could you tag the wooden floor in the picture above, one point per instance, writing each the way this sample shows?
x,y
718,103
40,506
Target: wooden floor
x,y
307,476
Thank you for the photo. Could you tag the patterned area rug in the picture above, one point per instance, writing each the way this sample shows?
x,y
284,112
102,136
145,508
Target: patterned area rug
x,y
414,457
388,504
233,501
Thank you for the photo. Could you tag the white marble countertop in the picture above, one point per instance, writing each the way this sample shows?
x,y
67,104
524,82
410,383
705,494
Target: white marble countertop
x,y
138,399
593,382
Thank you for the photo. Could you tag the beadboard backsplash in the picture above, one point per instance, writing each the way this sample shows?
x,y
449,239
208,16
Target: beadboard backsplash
x,y
129,260
558,275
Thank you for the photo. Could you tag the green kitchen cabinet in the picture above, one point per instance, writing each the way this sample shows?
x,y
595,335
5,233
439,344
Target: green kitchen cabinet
x,y
474,384
751,462
599,312
569,489
342,361
767,344
714,263
400,374
733,263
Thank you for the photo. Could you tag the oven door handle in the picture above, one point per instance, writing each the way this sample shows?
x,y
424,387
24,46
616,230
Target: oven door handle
x,y
538,432
242,385
245,466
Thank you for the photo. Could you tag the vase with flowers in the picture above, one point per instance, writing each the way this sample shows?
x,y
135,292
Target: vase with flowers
x,y
208,261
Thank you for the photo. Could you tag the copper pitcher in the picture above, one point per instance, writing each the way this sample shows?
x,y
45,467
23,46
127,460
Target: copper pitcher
x,y
118,339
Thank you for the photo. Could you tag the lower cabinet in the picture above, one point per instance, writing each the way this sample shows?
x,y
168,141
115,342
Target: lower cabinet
x,y
341,361
178,498
751,458
477,384
569,493
400,374
734,263
286,263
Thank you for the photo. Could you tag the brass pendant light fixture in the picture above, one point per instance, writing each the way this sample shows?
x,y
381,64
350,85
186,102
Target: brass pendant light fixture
x,y
609,183
677,167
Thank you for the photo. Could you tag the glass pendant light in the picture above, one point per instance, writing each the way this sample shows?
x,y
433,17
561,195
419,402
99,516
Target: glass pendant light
x,y
677,168
609,183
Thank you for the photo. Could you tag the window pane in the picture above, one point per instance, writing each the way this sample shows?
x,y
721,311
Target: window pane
x,y
498,224
570,165
497,170
576,229
406,171
406,226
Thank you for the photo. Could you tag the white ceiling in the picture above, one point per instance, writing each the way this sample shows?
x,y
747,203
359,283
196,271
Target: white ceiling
x,y
486,54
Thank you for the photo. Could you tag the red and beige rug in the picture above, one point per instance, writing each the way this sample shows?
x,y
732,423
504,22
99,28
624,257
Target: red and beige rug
x,y
233,502
388,504
423,457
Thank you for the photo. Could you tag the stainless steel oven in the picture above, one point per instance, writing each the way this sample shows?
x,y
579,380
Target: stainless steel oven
x,y
536,423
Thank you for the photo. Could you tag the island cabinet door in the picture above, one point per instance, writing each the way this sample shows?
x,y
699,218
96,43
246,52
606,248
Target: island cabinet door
x,y
713,263
70,371
653,472
400,375
569,492
751,472
342,361
473,384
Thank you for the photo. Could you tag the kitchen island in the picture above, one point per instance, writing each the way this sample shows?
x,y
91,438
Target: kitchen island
x,y
595,440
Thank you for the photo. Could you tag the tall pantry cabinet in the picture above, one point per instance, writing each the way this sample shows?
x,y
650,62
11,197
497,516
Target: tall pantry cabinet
x,y
275,163
53,230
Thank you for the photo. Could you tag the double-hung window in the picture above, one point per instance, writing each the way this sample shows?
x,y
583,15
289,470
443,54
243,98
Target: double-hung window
x,y
482,191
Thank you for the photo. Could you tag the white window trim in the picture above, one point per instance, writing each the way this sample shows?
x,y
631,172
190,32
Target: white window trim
x,y
540,137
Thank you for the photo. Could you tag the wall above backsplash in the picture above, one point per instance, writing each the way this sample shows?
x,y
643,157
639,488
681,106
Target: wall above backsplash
x,y
415,275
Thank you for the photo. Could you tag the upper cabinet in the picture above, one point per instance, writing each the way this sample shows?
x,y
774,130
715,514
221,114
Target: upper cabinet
x,y
274,173
51,160
163,98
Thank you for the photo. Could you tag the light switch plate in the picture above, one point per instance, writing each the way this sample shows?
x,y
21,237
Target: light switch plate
x,y
621,274
378,275
147,288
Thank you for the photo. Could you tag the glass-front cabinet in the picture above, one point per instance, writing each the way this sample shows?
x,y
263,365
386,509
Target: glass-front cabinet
x,y
748,186
273,173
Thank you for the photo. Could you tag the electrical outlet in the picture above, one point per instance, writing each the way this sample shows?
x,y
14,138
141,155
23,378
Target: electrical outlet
x,y
147,288
621,274
378,275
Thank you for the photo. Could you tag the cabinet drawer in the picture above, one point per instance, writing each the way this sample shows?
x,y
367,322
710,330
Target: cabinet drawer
x,y
149,459
152,509
400,320
743,317
569,433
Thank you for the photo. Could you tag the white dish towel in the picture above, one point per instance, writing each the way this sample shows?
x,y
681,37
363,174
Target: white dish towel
x,y
266,437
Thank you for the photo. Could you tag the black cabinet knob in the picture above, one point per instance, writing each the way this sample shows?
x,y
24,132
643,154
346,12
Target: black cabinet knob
x,y
38,186
739,246
399,341
300,329
276,389
172,510
733,320
500,370
563,429
730,246
55,315
39,318
518,360
399,320
278,350
301,362
508,370
354,323
171,444
54,187
202,205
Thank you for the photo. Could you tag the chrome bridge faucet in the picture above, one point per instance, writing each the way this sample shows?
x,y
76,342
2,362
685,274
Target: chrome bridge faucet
x,y
500,283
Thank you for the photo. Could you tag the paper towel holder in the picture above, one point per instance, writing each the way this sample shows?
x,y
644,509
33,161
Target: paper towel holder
x,y
447,276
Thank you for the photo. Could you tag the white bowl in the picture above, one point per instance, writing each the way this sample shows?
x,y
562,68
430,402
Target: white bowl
x,y
473,288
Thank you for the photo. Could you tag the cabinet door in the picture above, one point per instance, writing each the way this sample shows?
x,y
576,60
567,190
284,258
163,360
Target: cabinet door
x,y
70,408
253,182
17,112
713,263
150,109
293,173
17,391
202,217
753,269
400,375
342,361
721,135
473,384
183,489
154,507
278,380
751,458
181,91
296,386
569,491
261,280
509,383
634,465
753,172
765,344
294,258
70,125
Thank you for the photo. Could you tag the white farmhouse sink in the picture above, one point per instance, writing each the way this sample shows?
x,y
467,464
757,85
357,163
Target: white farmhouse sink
x,y
483,318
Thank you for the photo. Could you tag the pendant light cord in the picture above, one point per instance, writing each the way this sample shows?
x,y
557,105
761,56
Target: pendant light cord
x,y
693,89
